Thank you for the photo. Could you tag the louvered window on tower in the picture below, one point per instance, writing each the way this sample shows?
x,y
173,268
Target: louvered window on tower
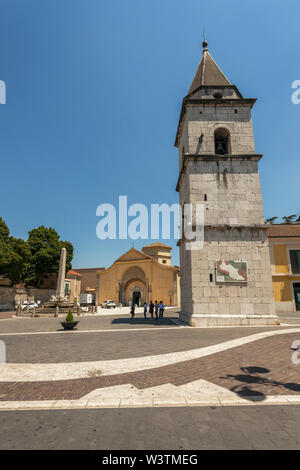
x,y
222,138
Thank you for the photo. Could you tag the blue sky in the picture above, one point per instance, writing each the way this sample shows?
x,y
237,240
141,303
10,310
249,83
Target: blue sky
x,y
94,90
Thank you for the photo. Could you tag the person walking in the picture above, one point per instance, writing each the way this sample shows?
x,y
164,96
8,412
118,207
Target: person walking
x,y
161,309
132,313
145,310
151,309
156,307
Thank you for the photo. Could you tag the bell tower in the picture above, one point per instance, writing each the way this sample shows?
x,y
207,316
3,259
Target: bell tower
x,y
228,281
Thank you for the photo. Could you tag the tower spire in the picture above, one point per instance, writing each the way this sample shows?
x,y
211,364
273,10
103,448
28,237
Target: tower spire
x,y
208,72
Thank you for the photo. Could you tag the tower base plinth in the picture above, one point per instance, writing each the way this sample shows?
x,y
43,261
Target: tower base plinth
x,y
202,320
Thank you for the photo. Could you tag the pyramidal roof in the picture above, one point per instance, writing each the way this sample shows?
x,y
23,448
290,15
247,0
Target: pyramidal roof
x,y
208,73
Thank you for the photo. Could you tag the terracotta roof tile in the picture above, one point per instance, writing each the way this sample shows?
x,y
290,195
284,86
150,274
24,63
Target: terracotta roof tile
x,y
283,230
73,273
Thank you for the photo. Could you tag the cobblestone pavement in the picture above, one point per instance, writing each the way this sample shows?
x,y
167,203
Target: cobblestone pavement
x,y
268,427
87,322
107,337
254,373
92,346
247,370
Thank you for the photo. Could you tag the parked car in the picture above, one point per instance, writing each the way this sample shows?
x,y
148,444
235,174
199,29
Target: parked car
x,y
31,305
109,304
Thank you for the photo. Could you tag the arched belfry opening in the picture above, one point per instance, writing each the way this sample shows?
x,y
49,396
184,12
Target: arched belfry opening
x,y
222,141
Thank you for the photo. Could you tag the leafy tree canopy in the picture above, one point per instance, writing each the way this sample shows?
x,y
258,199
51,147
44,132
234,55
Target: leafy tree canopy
x,y
45,248
4,230
271,220
289,219
14,255
30,260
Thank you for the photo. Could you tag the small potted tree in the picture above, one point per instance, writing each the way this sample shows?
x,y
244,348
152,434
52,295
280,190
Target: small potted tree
x,y
69,323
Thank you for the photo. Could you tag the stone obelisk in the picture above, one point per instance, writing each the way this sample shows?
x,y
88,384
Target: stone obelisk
x,y
60,289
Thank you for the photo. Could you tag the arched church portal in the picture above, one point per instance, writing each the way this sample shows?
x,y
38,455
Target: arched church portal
x,y
134,286
136,298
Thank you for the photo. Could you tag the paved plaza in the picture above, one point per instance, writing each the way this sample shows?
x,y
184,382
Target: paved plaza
x,y
124,380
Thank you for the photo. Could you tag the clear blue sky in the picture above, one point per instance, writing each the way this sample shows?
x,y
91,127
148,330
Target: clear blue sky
x,y
94,90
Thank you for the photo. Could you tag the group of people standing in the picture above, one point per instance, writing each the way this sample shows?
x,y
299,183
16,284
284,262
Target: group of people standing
x,y
157,308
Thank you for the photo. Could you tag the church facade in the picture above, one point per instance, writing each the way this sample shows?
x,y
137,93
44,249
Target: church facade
x,y
140,276
228,281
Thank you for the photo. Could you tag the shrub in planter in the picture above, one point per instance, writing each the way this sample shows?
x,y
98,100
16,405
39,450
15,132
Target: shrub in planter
x,y
69,322
69,317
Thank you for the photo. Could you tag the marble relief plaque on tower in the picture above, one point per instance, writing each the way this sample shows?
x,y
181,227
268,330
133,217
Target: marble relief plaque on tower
x,y
231,271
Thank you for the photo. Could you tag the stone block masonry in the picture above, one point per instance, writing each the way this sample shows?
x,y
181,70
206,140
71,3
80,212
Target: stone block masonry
x,y
219,169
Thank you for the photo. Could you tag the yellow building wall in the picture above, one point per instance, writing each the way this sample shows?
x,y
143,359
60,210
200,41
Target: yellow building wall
x,y
282,285
161,278
283,291
281,259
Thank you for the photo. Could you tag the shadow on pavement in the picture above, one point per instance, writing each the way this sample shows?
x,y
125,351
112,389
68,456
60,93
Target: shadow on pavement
x,y
251,378
141,321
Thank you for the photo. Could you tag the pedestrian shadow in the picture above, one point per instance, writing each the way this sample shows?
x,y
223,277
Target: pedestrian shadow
x,y
142,321
253,376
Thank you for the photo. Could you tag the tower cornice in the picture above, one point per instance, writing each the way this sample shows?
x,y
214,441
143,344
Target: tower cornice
x,y
213,157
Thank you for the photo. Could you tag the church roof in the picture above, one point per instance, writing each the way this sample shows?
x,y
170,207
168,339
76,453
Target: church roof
x,y
133,255
163,245
208,72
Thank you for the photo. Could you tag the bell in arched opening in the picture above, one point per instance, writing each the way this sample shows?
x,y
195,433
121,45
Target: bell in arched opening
x,y
222,137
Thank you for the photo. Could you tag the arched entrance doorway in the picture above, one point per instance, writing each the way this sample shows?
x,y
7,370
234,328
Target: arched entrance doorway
x,y
136,298
134,288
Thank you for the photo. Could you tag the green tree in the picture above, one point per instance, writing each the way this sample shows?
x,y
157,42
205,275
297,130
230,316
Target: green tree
x,y
289,219
18,267
14,255
5,248
271,220
4,230
45,247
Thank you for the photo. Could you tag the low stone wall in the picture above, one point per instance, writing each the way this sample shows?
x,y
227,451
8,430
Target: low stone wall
x,y
9,296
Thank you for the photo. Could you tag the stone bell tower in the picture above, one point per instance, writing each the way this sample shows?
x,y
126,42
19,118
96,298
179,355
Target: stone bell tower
x,y
228,281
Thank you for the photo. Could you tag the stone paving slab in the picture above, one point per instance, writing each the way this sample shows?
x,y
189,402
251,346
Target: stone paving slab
x,y
256,370
57,371
250,427
87,322
109,321
95,346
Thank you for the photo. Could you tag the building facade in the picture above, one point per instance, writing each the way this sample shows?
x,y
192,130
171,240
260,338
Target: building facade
x,y
73,285
88,279
140,276
284,242
228,281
